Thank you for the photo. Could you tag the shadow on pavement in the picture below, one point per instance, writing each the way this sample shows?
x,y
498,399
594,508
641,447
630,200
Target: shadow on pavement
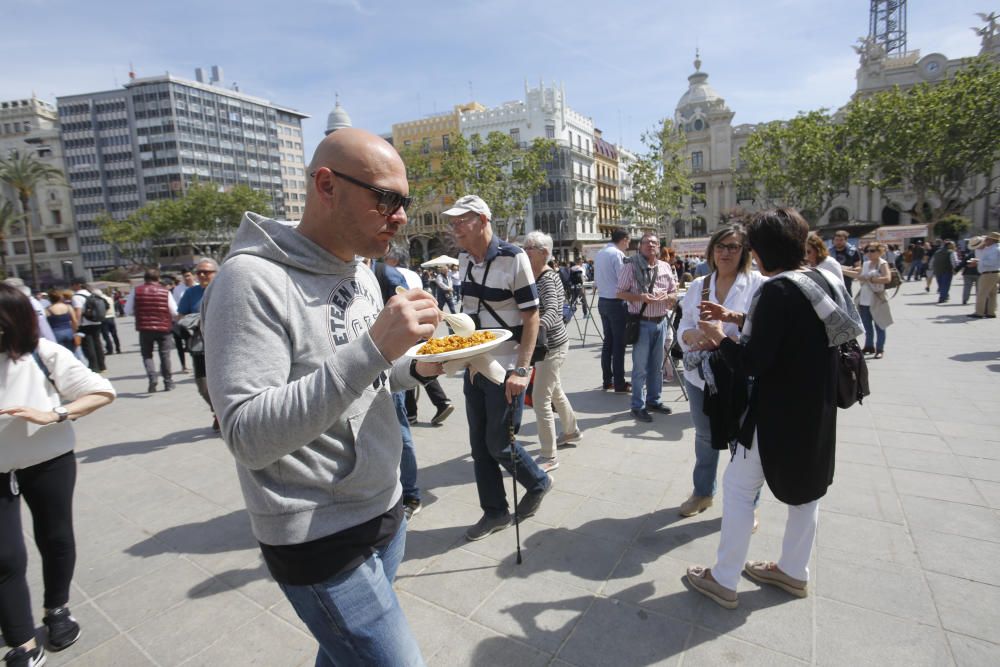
x,y
106,452
976,356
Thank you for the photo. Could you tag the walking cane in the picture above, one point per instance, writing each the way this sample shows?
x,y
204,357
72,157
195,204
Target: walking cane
x,y
513,475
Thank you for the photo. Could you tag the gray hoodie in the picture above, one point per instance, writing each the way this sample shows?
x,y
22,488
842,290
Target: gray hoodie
x,y
299,386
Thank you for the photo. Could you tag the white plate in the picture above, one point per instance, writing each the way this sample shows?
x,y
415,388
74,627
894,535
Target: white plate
x,y
501,336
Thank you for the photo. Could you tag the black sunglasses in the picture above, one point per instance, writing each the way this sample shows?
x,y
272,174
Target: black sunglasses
x,y
388,201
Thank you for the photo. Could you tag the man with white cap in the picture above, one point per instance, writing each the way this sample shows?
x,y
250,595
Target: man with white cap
x,y
988,262
498,291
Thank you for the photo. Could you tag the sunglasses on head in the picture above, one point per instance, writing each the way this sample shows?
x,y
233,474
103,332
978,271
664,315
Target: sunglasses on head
x,y
388,202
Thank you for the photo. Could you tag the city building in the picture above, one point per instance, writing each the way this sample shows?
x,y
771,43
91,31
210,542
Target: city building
x,y
154,137
32,126
566,208
713,142
608,184
426,231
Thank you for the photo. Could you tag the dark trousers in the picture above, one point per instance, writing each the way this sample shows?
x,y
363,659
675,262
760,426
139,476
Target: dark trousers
x,y
92,348
944,286
48,489
181,337
109,331
164,342
613,316
487,410
434,392
200,379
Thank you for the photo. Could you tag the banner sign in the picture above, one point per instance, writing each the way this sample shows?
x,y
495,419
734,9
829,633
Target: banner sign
x,y
896,233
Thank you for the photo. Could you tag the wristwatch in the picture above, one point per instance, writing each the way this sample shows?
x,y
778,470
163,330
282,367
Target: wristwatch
x,y
522,371
62,413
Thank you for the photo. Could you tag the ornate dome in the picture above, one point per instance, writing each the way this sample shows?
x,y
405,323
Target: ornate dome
x,y
699,92
338,118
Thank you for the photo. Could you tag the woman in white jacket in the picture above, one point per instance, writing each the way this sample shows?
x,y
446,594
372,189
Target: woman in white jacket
x,y
43,389
733,285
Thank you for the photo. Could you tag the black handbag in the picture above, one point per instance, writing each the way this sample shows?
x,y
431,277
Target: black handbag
x,y
632,326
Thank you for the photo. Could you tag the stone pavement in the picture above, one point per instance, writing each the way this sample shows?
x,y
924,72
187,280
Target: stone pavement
x,y
904,571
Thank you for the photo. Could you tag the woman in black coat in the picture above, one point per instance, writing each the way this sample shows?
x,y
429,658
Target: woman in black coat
x,y
787,438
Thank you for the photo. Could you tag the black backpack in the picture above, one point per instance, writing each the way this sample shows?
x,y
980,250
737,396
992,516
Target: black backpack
x,y
95,308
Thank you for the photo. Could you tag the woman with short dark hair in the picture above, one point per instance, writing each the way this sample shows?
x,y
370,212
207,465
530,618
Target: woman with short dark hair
x,y
786,438
37,462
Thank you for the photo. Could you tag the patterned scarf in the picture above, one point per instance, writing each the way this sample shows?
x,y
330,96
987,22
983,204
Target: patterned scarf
x,y
840,317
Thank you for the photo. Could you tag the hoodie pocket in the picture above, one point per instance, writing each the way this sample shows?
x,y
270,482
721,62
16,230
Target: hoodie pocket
x,y
378,446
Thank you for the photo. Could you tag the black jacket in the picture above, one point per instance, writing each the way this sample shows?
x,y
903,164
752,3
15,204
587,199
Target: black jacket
x,y
793,400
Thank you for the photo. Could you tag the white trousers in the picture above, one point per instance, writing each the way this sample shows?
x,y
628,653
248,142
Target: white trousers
x,y
743,478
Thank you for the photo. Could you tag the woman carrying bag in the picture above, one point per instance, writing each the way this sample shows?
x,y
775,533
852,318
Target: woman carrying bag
x,y
733,285
548,392
872,301
43,389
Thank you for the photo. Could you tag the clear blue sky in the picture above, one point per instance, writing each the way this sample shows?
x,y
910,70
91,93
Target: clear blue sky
x,y
623,63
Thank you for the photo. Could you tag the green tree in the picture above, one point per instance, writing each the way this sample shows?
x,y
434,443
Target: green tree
x,y
661,179
423,183
503,173
939,143
8,217
798,163
204,218
23,172
952,227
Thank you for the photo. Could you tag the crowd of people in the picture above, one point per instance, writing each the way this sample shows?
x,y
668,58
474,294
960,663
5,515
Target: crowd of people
x,y
299,341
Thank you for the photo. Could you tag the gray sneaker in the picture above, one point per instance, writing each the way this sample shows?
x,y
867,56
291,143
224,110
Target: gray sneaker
x,y
532,501
487,526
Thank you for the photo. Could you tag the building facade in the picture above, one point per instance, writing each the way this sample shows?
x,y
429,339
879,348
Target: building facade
x,y
713,146
156,136
431,135
31,126
608,185
566,208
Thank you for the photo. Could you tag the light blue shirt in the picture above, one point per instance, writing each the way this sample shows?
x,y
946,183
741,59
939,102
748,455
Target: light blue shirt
x,y
607,265
989,258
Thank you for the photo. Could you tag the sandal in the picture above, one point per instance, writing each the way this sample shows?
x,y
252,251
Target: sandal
x,y
767,572
700,578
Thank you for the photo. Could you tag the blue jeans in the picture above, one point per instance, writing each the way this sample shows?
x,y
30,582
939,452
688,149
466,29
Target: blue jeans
x,y
487,410
647,363
869,323
408,462
706,459
445,298
944,285
355,616
612,312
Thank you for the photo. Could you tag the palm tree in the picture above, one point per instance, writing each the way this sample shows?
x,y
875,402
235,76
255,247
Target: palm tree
x,y
8,216
24,173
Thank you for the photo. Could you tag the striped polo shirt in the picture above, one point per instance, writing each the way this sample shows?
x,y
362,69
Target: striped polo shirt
x,y
508,288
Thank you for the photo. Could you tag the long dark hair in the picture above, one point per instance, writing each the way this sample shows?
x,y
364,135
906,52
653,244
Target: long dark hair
x,y
18,323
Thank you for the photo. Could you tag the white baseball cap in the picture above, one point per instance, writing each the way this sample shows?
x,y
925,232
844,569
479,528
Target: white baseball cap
x,y
469,204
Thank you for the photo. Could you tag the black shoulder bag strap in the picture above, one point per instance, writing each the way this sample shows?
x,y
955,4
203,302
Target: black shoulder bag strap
x,y
481,303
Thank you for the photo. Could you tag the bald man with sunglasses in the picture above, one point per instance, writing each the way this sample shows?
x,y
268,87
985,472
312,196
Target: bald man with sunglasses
x,y
302,356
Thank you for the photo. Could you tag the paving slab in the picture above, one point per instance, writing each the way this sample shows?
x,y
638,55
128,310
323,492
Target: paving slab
x,y
903,571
